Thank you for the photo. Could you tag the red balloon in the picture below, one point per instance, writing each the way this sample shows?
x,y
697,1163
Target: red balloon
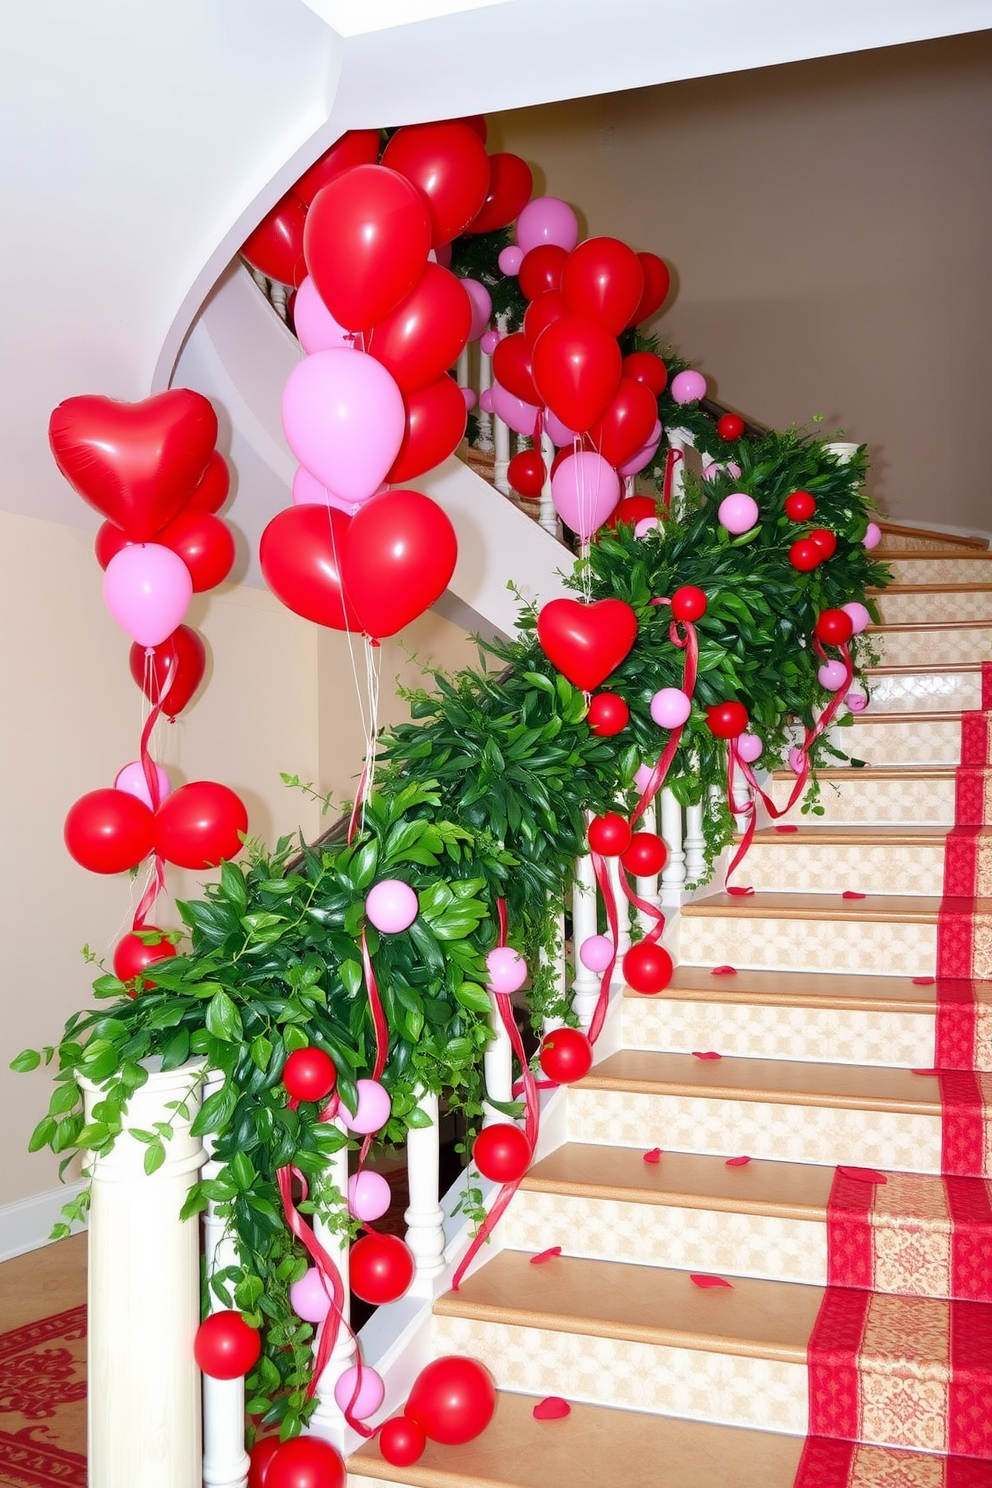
x,y
631,510
645,856
309,1074
603,279
627,423
398,559
381,1268
511,182
181,656
657,283
204,543
512,367
647,968
366,242
402,1441
566,1055
225,1347
730,427
688,603
541,313
449,164
502,1152
453,1398
609,835
108,543
137,463
214,487
259,1458
825,540
109,831
586,642
356,147
726,720
418,340
805,554
477,123
305,1462
540,270
200,825
275,248
576,365
301,554
435,425
608,714
526,473
833,627
132,957
799,506
644,366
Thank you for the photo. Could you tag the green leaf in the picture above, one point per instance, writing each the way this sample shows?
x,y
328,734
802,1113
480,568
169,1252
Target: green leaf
x,y
216,1111
261,1052
154,1157
42,1134
28,1059
222,1018
473,997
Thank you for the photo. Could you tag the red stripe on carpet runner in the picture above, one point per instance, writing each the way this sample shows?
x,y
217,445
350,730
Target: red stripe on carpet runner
x,y
975,738
970,1206
825,1463
963,1136
832,1355
970,1424
957,1024
986,685
834,1464
850,1251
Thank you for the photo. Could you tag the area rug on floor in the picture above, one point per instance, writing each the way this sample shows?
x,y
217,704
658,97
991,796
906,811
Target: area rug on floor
x,y
43,1403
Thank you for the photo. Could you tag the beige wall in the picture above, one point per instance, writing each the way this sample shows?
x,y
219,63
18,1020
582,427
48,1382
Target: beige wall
x,y
278,697
830,225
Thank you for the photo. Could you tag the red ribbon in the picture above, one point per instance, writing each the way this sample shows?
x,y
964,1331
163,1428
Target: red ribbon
x,y
672,459
150,771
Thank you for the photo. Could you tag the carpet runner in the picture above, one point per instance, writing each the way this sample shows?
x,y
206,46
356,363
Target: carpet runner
x,y
43,1403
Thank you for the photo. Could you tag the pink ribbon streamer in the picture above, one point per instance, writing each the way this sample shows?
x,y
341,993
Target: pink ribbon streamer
x,y
150,772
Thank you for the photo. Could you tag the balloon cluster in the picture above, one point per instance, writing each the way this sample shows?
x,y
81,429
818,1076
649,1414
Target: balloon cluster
x,y
452,1401
152,470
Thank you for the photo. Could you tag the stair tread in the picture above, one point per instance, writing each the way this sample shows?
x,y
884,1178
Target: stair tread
x,y
795,988
956,539
890,834
879,772
896,908
846,1086
595,1446
647,1304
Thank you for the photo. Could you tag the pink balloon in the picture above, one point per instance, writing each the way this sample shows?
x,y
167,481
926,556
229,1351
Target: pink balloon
x,y
547,219
749,747
507,969
307,491
344,418
521,416
147,589
316,328
489,341
510,260
308,1299
584,489
596,952
860,618
486,400
856,701
796,758
688,386
482,307
873,536
670,707
558,432
392,906
370,1395
369,1195
644,455
832,675
646,525
642,777
469,395
738,512
373,1109
132,779
711,471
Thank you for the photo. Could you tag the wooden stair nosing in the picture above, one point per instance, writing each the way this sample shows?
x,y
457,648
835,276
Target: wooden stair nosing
x,y
838,991
959,539
897,909
883,834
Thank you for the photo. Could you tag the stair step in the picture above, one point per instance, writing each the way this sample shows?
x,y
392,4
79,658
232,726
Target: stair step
x,y
897,535
638,1337
777,1109
904,738
872,796
887,934
940,568
918,689
940,642
829,859
923,602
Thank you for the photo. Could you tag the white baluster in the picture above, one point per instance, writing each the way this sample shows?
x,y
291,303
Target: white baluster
x,y
497,1063
144,1297
623,911
585,983
742,799
328,1419
501,435
548,517
695,844
673,873
842,450
462,376
277,298
425,1217
647,888
485,440
679,440
225,1461
555,960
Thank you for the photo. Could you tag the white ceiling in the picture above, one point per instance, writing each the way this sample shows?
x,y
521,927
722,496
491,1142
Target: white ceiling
x,y
142,142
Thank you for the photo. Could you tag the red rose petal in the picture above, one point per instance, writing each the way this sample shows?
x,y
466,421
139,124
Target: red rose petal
x,y
545,1255
864,1175
736,1162
551,1408
923,981
787,827
709,1281
723,971
706,1054
853,894
654,1156
932,1072
739,891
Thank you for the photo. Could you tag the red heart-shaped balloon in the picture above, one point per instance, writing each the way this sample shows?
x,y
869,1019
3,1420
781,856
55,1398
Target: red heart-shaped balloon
x,y
586,641
137,463
398,559
301,554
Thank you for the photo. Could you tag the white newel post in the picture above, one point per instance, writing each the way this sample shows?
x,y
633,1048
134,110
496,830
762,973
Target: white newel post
x,y
225,1461
144,1297
425,1217
328,1419
497,1063
585,983
548,517
673,873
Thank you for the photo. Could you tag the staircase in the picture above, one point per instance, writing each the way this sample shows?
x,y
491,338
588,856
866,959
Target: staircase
x,y
677,1320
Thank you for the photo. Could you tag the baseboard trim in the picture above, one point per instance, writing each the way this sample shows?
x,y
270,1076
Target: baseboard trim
x,y
27,1224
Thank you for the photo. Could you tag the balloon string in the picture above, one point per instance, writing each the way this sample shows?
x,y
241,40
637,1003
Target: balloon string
x,y
672,459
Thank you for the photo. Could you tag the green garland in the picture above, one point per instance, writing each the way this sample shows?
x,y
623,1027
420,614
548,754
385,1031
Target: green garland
x,y
483,795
